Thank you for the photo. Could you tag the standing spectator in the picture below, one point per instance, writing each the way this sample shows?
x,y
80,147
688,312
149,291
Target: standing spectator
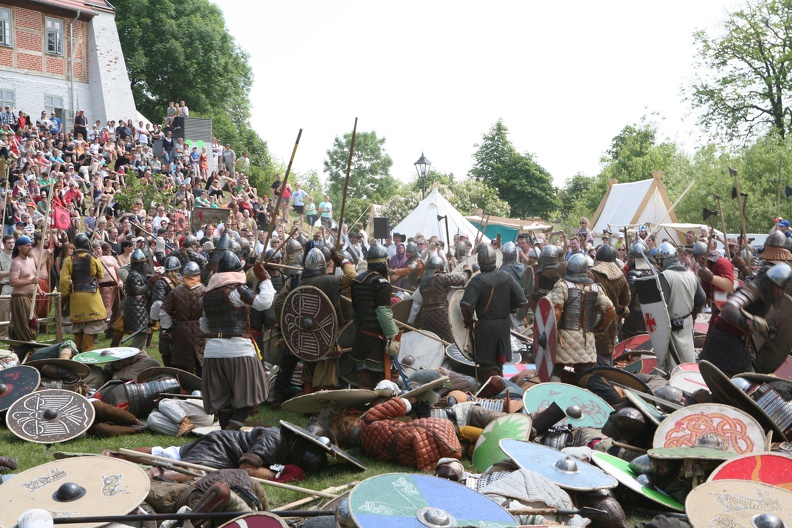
x,y
80,124
244,163
574,248
310,211
183,110
229,159
298,198
285,199
326,212
276,186
171,114
203,163
55,124
167,150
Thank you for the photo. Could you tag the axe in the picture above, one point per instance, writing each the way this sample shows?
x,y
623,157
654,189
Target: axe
x,y
717,198
448,239
706,213
787,191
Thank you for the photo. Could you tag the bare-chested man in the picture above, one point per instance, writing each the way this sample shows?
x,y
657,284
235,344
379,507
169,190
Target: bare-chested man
x,y
24,284
42,303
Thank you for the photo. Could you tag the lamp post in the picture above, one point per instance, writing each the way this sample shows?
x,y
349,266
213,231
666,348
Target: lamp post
x,y
422,167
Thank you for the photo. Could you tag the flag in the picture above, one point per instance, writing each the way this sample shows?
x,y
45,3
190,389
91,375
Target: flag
x,y
61,219
658,322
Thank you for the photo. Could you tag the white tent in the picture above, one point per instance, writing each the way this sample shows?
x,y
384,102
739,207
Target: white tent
x,y
633,204
423,219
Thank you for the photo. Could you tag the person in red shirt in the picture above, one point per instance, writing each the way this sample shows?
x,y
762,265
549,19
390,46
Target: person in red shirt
x,y
717,280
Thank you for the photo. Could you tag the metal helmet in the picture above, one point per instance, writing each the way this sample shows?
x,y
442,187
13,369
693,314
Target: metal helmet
x,y
302,239
378,253
191,269
667,254
228,261
315,263
549,256
235,248
776,239
273,255
699,249
638,249
411,249
743,384
577,264
509,250
780,275
462,249
244,246
434,263
224,243
487,259
138,256
172,264
190,241
669,393
533,253
606,253
82,241
293,246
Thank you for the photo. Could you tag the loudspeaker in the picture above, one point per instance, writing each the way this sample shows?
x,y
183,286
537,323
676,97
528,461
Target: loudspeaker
x,y
381,227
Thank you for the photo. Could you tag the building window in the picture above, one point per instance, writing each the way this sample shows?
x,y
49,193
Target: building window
x,y
7,98
6,22
54,36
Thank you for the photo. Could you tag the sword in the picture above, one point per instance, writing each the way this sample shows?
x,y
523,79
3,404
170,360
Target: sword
x,y
133,335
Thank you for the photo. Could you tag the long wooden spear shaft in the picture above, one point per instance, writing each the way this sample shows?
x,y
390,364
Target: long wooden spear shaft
x,y
346,186
5,194
227,516
262,257
41,254
740,206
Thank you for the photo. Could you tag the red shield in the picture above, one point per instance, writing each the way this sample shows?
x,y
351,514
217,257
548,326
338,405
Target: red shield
x,y
545,338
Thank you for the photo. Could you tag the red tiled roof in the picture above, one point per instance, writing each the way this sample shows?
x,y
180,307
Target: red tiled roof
x,y
85,6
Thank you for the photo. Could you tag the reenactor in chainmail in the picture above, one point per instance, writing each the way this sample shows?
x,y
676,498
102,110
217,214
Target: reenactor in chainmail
x,y
189,253
162,287
462,251
510,263
136,313
79,284
489,298
577,300
408,276
775,251
294,252
552,268
179,315
638,266
433,299
611,278
223,245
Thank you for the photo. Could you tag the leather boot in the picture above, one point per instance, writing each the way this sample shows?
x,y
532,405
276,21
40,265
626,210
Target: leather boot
x,y
88,342
117,336
185,426
78,340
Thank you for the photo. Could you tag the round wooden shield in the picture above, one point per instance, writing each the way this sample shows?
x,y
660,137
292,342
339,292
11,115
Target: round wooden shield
x,y
642,366
553,465
401,312
106,355
308,323
407,500
639,342
594,410
785,370
685,367
81,369
338,400
189,382
528,281
333,450
703,454
545,338
16,382
620,377
701,324
770,468
654,414
688,381
723,390
739,432
458,361
256,520
50,416
488,451
737,503
420,351
75,487
620,470
457,322
770,356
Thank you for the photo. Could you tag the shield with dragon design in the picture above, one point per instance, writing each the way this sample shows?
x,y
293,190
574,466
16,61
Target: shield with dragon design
x,y
309,324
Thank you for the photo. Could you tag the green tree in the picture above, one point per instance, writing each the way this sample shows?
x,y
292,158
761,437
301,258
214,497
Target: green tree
x,y
370,181
744,72
576,198
434,178
523,183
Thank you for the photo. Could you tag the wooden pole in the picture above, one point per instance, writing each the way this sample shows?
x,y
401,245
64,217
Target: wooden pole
x,y
262,257
5,194
306,500
740,207
668,213
430,336
723,220
346,187
58,317
138,454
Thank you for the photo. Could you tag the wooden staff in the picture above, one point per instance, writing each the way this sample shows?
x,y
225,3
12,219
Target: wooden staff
x,y
284,266
480,232
673,206
262,257
5,194
430,336
722,220
208,469
149,233
41,255
221,516
333,489
346,187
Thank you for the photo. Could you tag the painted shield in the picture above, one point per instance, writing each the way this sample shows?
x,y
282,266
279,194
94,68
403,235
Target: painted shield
x,y
324,442
529,279
658,323
408,500
81,369
557,467
737,503
457,323
418,390
739,432
619,377
189,382
459,362
772,353
401,312
701,323
308,323
16,382
719,297
723,390
420,351
785,370
620,470
770,468
688,381
545,338
337,400
685,367
654,414
106,355
102,486
487,451
638,342
50,416
594,411
256,520
642,366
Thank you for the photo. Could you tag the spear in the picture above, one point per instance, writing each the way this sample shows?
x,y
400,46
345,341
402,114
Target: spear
x,y
346,186
262,257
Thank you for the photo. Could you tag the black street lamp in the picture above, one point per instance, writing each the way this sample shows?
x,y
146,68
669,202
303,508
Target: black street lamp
x,y
422,166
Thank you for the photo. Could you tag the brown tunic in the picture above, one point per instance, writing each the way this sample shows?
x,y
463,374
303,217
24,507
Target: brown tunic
x,y
614,284
185,305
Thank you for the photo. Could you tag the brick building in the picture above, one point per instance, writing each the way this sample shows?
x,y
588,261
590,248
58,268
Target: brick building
x,y
63,55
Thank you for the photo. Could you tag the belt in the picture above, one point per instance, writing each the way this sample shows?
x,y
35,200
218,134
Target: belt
x,y
726,327
222,335
108,285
